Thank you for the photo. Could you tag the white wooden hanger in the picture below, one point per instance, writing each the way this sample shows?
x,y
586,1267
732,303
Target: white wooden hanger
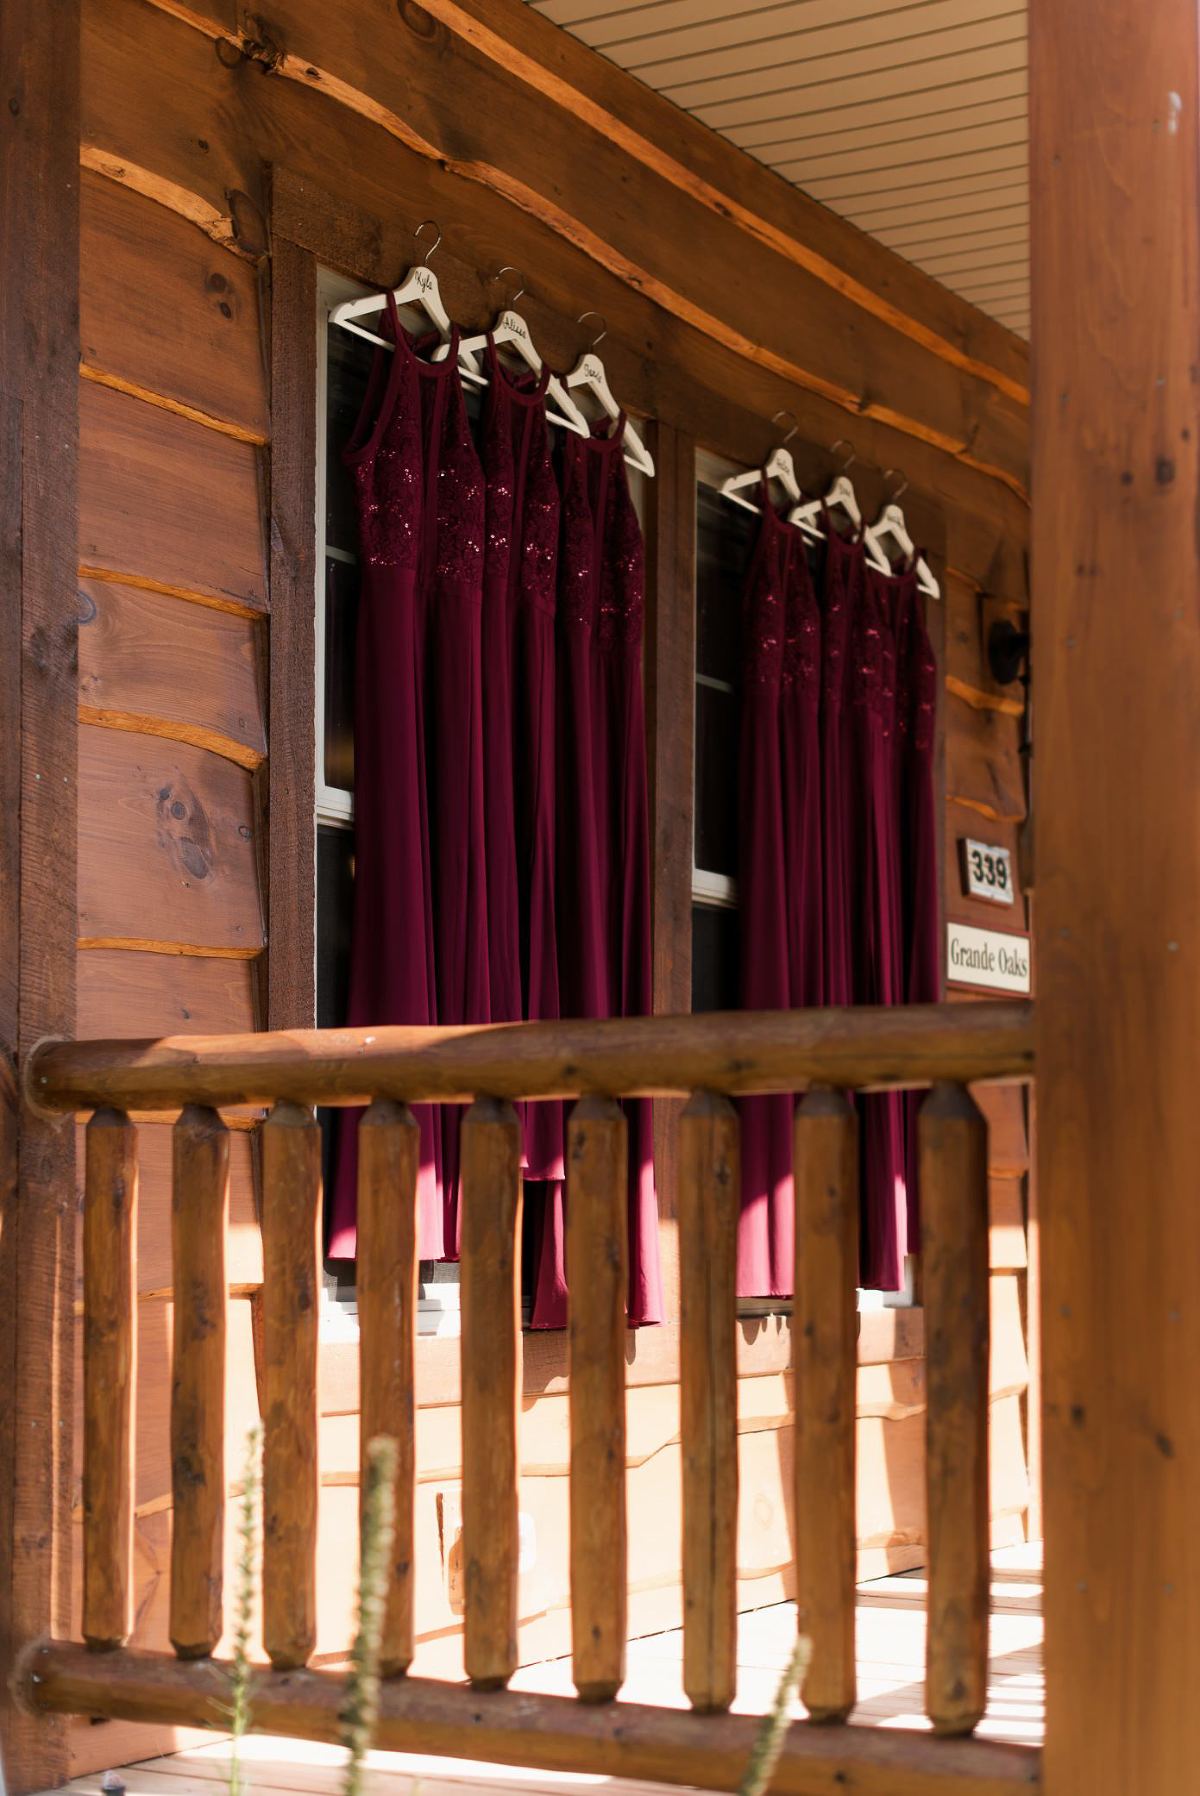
x,y
840,497
780,467
589,372
510,328
419,289
890,525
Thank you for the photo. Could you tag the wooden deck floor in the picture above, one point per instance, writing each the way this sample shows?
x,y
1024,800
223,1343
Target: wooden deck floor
x,y
891,1647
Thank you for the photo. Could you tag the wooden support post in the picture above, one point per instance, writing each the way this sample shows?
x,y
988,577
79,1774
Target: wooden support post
x,y
825,1352
1115,115
597,1235
39,691
199,1224
291,1171
954,1257
109,1372
491,1386
709,1197
388,1152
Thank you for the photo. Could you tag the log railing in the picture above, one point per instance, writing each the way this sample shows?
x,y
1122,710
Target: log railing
x,y
709,1059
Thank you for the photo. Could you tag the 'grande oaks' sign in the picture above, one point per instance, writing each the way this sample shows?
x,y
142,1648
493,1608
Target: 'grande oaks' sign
x,y
987,957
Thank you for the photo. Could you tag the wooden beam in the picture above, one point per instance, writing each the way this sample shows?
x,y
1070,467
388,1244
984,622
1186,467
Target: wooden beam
x,y
290,810
737,1051
39,353
698,162
449,103
553,1733
1116,566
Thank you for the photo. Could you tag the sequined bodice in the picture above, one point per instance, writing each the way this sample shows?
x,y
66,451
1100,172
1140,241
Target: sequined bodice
x,y
916,674
783,621
605,558
418,477
522,493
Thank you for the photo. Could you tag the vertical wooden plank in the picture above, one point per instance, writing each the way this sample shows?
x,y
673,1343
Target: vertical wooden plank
x,y
291,1171
1115,119
824,1346
954,1250
1032,1313
39,356
597,1235
291,769
491,1384
199,1226
109,1373
388,1152
709,1199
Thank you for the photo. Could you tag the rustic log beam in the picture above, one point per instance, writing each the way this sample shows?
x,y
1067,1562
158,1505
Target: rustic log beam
x,y
199,1223
709,1198
597,1252
954,1287
733,1052
490,1257
824,1342
291,1174
553,1733
388,1155
109,1373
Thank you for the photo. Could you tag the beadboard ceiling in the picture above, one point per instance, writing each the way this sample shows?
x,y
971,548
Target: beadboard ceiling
x,y
908,119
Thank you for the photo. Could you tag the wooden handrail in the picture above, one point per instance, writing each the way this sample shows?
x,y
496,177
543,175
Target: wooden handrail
x,y
711,1057
516,1727
733,1052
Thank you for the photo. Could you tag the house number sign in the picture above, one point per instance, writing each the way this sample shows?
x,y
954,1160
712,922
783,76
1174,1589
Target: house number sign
x,y
986,871
988,957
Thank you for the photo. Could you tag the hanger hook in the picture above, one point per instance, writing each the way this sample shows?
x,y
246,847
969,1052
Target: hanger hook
x,y
596,341
844,443
784,413
902,488
427,254
509,269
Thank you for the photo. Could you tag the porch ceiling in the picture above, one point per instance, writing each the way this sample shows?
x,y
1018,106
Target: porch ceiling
x,y
908,117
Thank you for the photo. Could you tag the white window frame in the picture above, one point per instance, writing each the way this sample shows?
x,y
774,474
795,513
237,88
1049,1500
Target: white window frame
x,y
335,806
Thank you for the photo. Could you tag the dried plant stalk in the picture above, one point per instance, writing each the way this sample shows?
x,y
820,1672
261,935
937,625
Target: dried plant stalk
x,y
768,1743
243,1605
361,1706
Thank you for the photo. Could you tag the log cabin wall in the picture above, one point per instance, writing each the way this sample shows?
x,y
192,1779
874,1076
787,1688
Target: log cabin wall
x,y
221,151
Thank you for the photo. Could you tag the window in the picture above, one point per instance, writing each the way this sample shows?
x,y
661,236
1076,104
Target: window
x,y
724,535
724,542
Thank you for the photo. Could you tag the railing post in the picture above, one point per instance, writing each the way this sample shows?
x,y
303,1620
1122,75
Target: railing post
x,y
291,1156
109,1375
709,1197
199,1219
954,1250
491,1386
597,1254
388,1152
825,1350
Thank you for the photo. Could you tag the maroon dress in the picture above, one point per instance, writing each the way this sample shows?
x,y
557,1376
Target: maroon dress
x,y
603,856
420,507
916,721
520,569
878,953
779,868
